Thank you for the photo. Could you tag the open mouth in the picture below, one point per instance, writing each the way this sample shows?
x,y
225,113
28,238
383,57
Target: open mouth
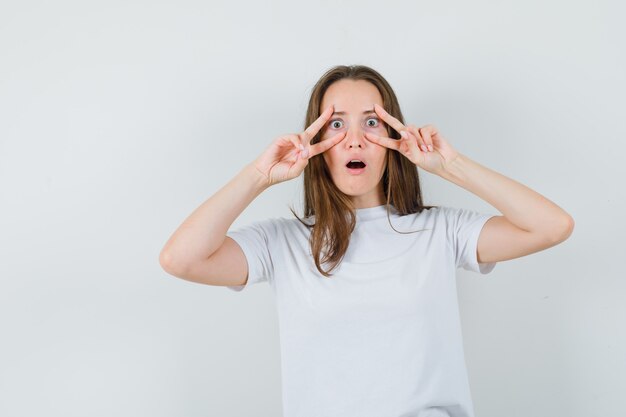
x,y
356,166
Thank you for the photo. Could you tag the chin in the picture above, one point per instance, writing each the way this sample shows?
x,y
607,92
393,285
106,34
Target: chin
x,y
352,192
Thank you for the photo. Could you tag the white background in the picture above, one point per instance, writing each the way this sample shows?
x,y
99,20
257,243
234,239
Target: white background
x,y
119,118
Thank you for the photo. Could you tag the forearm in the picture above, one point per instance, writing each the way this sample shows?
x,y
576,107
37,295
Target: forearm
x,y
522,206
204,231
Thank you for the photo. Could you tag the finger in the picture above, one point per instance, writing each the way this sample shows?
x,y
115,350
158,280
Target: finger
x,y
293,144
428,132
383,141
312,130
326,144
411,141
415,134
294,140
301,157
389,119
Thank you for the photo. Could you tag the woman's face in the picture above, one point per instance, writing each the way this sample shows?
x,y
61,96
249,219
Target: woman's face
x,y
354,101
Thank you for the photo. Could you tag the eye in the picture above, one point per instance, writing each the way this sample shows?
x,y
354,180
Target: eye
x,y
375,124
333,123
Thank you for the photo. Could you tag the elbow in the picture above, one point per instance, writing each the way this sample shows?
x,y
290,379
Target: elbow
x,y
168,263
564,230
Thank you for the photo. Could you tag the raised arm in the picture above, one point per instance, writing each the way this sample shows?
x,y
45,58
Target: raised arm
x,y
204,231
199,249
530,222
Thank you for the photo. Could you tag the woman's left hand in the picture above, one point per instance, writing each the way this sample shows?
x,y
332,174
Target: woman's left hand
x,y
424,146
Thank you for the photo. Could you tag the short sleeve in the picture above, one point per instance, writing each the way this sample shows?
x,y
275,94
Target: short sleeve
x,y
254,240
464,227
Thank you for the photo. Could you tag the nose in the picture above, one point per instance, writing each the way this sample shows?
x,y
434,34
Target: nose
x,y
355,138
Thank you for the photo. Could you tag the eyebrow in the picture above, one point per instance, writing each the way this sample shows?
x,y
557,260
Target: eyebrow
x,y
365,112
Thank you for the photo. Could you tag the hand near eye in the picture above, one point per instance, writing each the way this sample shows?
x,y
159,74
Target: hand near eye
x,y
287,156
424,146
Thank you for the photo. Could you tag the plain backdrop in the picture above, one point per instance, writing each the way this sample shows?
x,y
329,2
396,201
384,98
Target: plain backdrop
x,y
119,118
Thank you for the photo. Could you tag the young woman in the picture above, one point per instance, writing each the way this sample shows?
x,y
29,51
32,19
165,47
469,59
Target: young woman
x,y
365,283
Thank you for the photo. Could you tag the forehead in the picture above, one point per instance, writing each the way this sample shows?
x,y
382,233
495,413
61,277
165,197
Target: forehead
x,y
351,96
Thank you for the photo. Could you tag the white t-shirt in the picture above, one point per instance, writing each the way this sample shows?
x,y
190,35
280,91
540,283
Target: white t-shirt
x,y
382,336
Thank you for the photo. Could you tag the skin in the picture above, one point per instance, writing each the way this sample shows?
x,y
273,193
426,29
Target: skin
x,y
354,97
423,146
345,136
288,154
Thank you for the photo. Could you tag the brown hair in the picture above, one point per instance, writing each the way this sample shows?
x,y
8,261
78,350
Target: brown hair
x,y
334,213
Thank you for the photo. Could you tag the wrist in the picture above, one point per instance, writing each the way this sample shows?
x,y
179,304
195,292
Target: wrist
x,y
454,169
259,181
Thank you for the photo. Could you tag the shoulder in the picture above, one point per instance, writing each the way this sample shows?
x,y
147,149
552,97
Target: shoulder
x,y
449,213
448,217
433,214
275,227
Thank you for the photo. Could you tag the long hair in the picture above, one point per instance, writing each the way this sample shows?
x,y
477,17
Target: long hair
x,y
334,212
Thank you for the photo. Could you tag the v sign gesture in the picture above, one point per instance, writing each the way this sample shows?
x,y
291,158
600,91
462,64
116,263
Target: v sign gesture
x,y
287,156
435,151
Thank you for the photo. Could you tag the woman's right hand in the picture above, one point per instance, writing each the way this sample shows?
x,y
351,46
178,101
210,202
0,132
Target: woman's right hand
x,y
287,156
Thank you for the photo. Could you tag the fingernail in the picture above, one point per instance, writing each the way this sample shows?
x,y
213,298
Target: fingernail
x,y
305,153
430,147
403,134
